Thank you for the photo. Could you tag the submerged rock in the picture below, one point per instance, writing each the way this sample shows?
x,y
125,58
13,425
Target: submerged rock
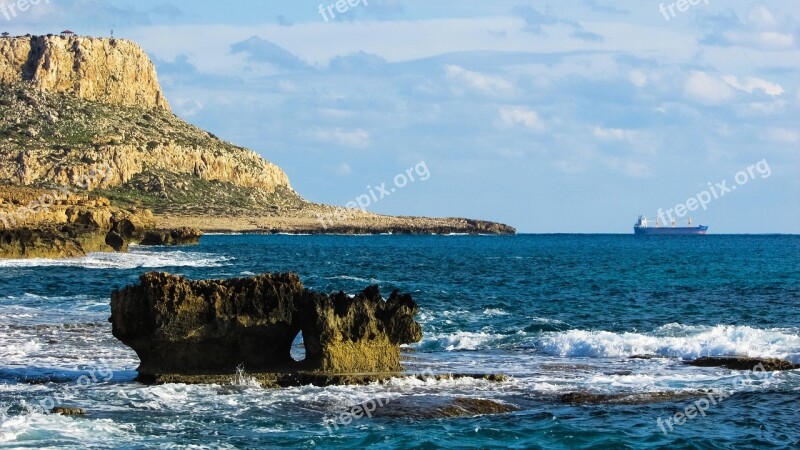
x,y
68,411
435,407
744,363
179,236
640,398
211,327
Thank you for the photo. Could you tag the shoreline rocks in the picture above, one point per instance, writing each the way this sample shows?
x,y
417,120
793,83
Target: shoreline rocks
x,y
52,223
178,236
743,363
301,378
180,327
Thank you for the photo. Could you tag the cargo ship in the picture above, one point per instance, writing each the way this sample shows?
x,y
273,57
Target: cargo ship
x,y
642,228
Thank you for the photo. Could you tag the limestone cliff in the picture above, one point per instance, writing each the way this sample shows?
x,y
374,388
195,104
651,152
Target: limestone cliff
x,y
75,107
89,113
112,71
145,157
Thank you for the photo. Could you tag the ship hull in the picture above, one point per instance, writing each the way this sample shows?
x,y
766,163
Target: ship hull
x,y
670,231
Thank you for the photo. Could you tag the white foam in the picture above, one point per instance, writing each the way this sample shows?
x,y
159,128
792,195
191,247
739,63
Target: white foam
x,y
460,340
675,341
30,428
495,312
137,258
352,278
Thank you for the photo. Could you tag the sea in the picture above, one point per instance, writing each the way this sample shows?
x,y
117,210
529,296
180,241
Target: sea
x,y
593,333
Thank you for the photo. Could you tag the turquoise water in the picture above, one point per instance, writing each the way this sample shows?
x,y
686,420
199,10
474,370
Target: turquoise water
x,y
559,314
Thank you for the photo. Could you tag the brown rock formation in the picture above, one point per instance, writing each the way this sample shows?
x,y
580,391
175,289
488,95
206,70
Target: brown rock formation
x,y
113,71
68,411
178,236
177,326
41,223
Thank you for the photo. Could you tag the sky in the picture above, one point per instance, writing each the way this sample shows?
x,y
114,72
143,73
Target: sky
x,y
551,116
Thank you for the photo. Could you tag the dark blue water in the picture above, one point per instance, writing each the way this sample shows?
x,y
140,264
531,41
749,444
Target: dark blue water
x,y
559,314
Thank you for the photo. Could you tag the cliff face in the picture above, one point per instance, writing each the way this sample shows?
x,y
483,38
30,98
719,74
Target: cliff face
x,y
112,71
143,154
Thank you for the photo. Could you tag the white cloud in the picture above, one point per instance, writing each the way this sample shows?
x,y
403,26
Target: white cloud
x,y
783,136
772,107
476,81
614,134
512,116
705,88
638,78
343,170
761,29
750,84
336,113
762,18
187,107
353,138
571,167
632,169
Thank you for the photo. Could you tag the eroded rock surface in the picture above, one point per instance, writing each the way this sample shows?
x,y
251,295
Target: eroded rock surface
x,y
178,236
436,407
113,71
50,223
178,326
744,363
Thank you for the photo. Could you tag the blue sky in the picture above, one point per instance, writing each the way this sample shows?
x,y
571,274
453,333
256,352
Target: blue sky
x,y
552,116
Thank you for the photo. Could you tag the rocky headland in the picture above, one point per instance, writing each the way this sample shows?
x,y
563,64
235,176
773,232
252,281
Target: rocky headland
x,y
88,114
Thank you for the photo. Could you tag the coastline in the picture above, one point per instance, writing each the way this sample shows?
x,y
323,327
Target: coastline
x,y
366,223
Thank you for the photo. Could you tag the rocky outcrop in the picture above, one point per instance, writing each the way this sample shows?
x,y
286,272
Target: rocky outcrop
x,y
743,363
178,236
177,326
41,223
68,411
66,241
112,71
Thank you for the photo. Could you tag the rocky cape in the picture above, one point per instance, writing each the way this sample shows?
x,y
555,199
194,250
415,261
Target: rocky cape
x,y
194,331
89,113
